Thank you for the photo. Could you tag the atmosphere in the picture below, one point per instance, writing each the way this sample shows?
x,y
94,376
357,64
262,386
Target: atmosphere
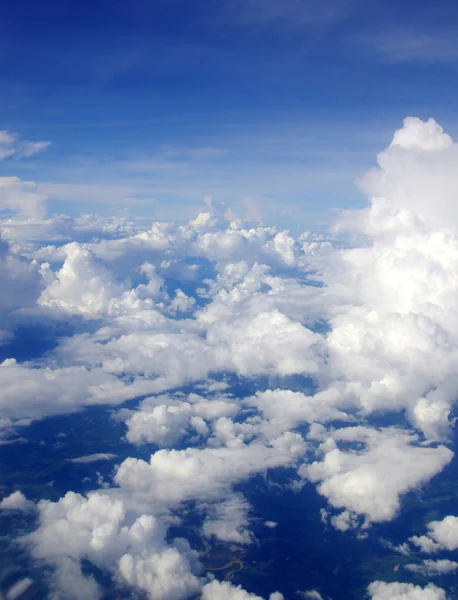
x,y
274,108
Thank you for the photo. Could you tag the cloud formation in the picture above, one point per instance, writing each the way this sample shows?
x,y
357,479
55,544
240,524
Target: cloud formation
x,y
249,350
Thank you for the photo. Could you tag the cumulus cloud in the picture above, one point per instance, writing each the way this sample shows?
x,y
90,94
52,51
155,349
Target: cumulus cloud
x,y
442,535
419,135
101,528
379,590
398,292
224,590
16,501
369,479
174,476
98,528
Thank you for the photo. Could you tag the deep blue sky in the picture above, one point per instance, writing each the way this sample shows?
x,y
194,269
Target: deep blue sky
x,y
274,105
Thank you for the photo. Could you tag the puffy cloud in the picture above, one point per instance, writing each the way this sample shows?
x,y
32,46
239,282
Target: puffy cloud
x,y
397,293
163,425
286,409
224,590
100,529
164,420
21,197
379,590
369,479
173,476
442,535
164,576
84,286
416,174
16,501
419,135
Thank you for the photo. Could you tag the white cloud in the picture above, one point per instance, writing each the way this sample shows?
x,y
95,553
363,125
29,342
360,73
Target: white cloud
x,y
431,568
286,409
84,286
16,501
173,476
379,590
164,420
98,528
369,479
90,458
419,135
228,520
312,594
30,393
11,146
442,535
270,524
18,589
21,197
224,590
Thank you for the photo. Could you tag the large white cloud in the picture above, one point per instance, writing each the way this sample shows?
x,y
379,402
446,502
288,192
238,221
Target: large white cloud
x,y
398,293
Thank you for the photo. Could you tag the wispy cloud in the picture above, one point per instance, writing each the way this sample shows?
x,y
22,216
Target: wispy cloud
x,y
403,45
293,11
92,458
11,146
289,14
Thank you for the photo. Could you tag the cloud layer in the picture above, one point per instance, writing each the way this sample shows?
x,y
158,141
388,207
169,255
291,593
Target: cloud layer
x,y
249,350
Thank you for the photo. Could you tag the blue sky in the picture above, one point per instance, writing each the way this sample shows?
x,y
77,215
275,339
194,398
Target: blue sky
x,y
271,107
